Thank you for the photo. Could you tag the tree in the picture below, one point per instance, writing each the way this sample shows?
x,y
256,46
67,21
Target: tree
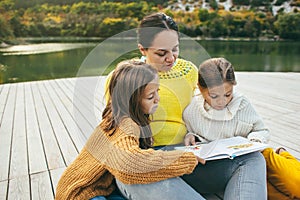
x,y
288,26
111,26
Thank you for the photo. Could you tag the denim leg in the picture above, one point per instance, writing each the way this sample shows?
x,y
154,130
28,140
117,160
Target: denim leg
x,y
244,177
249,179
98,198
173,188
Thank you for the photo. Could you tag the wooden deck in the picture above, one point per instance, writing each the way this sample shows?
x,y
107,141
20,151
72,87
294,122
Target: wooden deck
x,y
44,124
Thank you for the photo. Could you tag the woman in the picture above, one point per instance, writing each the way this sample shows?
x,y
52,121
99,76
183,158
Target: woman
x,y
158,42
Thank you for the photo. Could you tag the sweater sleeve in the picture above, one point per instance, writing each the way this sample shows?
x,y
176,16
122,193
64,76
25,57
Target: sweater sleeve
x,y
259,131
132,165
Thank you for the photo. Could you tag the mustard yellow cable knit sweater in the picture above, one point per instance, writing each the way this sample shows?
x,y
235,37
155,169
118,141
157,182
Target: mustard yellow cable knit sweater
x,y
105,157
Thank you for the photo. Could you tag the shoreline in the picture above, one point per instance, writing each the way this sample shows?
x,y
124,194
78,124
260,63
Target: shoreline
x,y
31,40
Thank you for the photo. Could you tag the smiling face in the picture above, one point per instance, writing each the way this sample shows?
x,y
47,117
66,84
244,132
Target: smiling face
x,y
163,52
150,97
218,97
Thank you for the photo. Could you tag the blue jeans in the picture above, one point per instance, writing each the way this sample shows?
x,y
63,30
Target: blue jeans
x,y
173,188
110,197
116,195
243,178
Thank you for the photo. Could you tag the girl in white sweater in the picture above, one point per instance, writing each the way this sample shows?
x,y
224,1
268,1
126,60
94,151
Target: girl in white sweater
x,y
219,112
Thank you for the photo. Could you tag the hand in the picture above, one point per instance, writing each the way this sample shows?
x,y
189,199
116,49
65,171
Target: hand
x,y
201,160
189,140
255,140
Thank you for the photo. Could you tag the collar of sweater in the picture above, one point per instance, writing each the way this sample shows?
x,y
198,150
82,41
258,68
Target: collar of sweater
x,y
221,115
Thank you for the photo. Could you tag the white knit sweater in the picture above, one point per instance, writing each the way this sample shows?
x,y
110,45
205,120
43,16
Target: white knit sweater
x,y
238,118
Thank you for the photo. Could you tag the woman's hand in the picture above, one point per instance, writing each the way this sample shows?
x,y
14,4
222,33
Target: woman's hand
x,y
189,139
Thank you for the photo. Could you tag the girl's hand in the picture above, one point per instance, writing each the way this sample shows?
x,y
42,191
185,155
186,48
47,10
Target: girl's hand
x,y
201,160
189,139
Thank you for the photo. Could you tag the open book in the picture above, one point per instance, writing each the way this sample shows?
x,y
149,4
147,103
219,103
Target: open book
x,y
224,148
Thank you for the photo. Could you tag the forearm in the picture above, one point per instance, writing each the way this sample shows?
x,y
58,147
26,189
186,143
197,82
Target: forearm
x,y
142,173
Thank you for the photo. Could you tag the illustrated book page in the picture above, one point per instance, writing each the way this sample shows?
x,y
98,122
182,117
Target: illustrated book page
x,y
224,148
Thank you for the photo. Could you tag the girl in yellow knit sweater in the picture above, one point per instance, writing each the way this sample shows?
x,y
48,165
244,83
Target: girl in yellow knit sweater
x,y
119,147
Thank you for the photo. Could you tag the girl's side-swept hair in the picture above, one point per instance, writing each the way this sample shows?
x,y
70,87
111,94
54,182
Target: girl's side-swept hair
x,y
125,90
153,24
214,72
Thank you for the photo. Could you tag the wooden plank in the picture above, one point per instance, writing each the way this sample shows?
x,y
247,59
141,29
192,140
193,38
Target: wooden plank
x,y
85,88
6,128
19,156
3,189
41,187
3,99
271,87
36,152
74,131
53,154
66,145
78,117
19,188
81,104
55,176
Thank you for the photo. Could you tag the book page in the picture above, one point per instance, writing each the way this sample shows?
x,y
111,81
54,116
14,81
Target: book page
x,y
225,148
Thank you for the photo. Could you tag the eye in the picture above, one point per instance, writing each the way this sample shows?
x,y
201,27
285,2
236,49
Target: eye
x,y
175,50
228,95
213,96
161,53
150,97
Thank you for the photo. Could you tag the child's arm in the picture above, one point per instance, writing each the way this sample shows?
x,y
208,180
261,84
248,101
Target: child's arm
x,y
132,165
259,132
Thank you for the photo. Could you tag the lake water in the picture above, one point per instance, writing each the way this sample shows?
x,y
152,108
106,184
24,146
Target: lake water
x,y
60,60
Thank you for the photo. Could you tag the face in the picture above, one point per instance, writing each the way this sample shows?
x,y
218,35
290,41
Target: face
x,y
163,52
218,97
150,97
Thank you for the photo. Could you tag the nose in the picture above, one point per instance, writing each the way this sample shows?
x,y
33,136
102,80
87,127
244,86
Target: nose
x,y
221,101
156,98
170,57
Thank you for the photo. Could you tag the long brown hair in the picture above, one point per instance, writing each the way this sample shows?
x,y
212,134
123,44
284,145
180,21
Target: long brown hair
x,y
125,90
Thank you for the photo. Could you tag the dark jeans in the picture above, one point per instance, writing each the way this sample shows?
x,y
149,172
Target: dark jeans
x,y
116,195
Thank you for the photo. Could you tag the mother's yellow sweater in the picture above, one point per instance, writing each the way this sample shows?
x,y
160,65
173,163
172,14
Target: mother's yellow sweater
x,y
176,90
105,157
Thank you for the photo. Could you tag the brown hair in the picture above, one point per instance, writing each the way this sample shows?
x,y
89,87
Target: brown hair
x,y
125,89
214,72
153,24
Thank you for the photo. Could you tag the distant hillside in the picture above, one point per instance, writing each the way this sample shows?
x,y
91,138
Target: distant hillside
x,y
275,6
97,18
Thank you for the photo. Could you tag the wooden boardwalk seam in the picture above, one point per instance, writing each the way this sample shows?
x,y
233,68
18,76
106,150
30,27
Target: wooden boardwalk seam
x,y
44,124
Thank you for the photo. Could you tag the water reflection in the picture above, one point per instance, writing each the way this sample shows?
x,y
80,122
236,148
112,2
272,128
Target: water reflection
x,y
60,60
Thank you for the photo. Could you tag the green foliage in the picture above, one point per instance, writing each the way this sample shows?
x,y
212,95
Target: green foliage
x,y
6,5
279,2
5,31
289,26
213,4
241,2
103,19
